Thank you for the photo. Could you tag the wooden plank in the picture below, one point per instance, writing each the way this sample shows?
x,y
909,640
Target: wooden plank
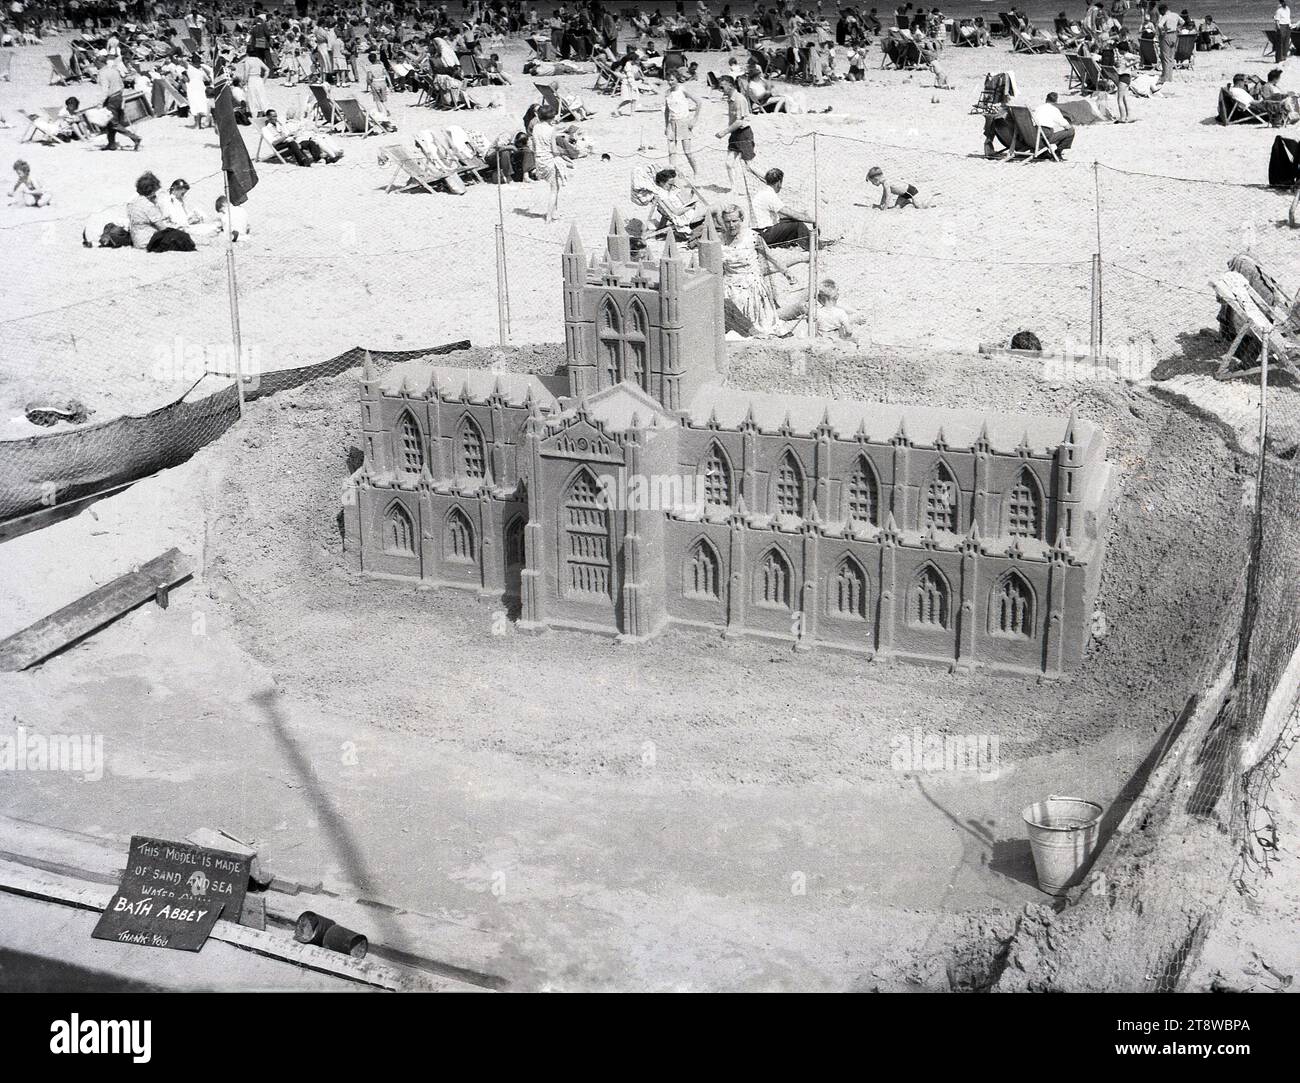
x,y
68,891
93,611
441,950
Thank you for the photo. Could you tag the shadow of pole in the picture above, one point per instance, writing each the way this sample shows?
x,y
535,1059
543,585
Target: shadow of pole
x,y
337,832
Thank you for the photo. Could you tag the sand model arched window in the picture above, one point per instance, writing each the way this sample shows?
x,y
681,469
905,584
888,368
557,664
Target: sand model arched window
x,y
586,534
399,532
930,603
471,456
702,564
611,340
773,580
848,593
635,346
410,445
787,487
1011,607
515,543
862,493
940,508
458,537
717,478
1025,507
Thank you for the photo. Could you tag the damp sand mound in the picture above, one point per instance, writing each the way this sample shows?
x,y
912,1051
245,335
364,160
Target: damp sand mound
x,y
450,667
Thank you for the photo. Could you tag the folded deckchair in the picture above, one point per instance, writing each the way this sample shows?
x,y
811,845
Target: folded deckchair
x,y
324,104
60,75
1185,53
355,120
420,171
262,137
1031,141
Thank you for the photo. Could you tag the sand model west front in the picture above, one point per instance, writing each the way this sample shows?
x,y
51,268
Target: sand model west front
x,y
634,490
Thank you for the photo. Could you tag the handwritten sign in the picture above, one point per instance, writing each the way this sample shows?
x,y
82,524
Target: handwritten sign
x,y
172,894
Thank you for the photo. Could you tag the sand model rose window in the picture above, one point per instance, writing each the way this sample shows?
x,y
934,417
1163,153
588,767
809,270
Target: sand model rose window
x,y
861,493
702,571
849,590
1024,508
586,530
410,450
1011,611
789,486
472,460
930,600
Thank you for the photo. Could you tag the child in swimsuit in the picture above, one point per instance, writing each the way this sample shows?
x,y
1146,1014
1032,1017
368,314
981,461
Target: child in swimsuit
x,y
904,195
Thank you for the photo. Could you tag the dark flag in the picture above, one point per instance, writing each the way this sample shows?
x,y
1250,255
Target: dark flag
x,y
241,178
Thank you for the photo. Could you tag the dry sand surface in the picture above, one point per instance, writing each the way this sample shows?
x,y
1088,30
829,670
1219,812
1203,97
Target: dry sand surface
x,y
334,261
486,756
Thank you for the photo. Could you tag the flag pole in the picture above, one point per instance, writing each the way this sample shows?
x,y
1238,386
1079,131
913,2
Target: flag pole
x,y
232,291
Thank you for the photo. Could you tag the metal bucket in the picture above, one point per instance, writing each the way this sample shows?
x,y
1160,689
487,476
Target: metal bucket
x,y
1062,837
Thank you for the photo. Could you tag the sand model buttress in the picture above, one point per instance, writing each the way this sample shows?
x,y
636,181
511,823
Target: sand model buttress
x,y
633,491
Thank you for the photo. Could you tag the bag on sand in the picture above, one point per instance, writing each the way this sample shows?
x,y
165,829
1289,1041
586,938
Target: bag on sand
x,y
171,240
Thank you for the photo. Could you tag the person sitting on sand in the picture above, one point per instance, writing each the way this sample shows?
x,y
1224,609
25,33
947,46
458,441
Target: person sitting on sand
x,y
174,206
150,227
903,195
830,320
26,192
234,219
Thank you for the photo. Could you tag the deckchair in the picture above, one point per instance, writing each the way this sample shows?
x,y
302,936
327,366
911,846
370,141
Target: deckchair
x,y
166,97
422,172
994,95
900,21
1023,44
1084,75
1148,55
1185,53
355,120
1270,43
34,121
262,137
470,73
1252,319
1231,111
1003,27
606,78
957,39
323,103
543,47
563,115
60,75
1031,142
